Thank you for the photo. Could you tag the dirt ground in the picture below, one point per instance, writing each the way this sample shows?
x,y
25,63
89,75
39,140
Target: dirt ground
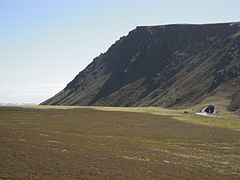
x,y
92,144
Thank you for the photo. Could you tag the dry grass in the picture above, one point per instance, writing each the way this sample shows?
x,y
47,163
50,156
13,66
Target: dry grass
x,y
174,113
179,115
85,143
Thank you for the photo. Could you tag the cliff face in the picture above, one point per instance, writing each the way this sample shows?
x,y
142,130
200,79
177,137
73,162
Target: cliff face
x,y
168,66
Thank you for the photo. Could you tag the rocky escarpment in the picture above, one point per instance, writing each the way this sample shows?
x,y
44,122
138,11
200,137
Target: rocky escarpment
x,y
169,66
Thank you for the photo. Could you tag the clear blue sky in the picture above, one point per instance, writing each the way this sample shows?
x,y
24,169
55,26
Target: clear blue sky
x,y
45,43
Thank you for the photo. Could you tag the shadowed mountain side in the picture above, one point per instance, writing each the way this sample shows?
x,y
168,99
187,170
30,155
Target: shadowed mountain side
x,y
168,66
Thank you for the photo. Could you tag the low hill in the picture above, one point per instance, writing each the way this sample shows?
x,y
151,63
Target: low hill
x,y
169,66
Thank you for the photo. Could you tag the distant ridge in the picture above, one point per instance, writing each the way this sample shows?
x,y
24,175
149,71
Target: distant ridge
x,y
18,104
179,65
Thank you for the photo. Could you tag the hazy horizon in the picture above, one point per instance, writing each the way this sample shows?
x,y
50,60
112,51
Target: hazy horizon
x,y
45,44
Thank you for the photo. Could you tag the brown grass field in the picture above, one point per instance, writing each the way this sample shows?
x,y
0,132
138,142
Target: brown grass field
x,y
106,143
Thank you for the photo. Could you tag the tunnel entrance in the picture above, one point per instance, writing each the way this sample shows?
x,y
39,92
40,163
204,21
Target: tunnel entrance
x,y
209,109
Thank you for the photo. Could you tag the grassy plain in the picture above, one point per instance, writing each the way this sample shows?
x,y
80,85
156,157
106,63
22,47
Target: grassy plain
x,y
45,142
179,115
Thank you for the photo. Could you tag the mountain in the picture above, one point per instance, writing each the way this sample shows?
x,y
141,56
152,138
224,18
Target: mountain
x,y
178,65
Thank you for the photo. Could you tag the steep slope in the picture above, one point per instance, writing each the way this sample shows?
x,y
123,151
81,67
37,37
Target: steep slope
x,y
169,66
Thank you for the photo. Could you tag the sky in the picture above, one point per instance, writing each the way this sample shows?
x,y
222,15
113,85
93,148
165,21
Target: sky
x,y
44,44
